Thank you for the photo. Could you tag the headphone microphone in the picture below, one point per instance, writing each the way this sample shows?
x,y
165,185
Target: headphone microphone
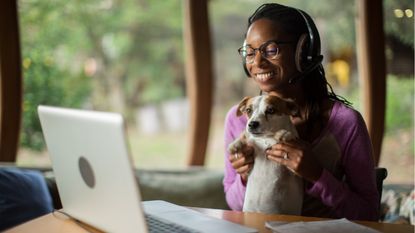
x,y
308,70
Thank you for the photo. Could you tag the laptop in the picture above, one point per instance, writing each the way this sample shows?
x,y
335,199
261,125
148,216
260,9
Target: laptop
x,y
96,181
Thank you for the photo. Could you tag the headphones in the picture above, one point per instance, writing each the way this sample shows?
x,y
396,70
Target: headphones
x,y
308,51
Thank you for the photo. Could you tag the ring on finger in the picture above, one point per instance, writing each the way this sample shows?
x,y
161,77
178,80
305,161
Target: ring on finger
x,y
236,155
285,156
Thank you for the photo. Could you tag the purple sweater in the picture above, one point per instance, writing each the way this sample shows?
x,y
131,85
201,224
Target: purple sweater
x,y
347,186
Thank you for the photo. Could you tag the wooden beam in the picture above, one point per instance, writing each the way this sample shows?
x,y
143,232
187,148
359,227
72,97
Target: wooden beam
x,y
198,77
10,81
372,69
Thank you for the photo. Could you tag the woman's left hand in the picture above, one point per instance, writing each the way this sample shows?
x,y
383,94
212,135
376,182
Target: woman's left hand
x,y
297,156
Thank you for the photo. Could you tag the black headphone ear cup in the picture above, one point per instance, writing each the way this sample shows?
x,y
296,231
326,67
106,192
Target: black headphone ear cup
x,y
300,53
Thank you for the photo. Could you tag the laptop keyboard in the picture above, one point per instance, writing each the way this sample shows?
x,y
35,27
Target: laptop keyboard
x,y
157,225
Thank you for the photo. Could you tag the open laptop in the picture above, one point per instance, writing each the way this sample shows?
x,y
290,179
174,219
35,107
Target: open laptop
x,y
95,177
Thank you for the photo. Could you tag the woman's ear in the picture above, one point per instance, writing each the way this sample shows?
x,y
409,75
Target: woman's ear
x,y
242,106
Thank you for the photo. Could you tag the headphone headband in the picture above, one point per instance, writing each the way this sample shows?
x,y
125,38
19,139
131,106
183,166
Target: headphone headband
x,y
309,55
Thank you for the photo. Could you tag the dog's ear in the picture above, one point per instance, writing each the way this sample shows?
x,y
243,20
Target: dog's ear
x,y
242,106
291,107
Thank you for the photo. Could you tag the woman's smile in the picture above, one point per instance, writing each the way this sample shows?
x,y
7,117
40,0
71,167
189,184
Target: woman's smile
x,y
264,77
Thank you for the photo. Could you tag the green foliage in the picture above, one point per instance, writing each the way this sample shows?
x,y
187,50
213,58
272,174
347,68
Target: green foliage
x,y
399,103
49,74
135,47
45,83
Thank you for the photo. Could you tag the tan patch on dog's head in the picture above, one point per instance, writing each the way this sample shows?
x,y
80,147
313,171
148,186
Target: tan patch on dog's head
x,y
281,106
244,106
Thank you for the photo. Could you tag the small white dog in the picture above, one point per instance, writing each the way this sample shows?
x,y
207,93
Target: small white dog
x,y
271,188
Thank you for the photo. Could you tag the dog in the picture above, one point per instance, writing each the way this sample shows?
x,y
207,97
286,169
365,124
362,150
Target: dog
x,y
271,188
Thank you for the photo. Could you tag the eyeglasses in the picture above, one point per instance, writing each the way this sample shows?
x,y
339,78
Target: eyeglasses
x,y
269,50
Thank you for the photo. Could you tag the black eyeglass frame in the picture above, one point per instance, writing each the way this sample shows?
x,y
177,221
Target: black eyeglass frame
x,y
261,49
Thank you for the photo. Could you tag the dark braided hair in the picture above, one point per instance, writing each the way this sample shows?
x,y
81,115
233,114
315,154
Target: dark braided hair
x,y
314,84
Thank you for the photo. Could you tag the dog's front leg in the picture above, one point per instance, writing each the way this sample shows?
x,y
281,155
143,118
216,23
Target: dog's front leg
x,y
239,145
284,135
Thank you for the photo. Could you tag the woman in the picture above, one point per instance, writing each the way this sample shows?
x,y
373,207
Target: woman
x,y
281,53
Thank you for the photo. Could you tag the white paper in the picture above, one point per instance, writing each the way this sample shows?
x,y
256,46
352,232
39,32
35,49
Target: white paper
x,y
327,226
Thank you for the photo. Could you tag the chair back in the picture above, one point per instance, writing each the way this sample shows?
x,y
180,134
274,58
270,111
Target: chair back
x,y
381,173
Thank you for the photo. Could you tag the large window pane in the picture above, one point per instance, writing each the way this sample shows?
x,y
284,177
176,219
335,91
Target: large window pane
x,y
120,56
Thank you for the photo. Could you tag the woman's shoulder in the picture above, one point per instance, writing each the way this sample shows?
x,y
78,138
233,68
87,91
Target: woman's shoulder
x,y
344,113
345,120
232,111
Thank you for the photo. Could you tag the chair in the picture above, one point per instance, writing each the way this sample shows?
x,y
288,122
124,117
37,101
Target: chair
x,y
381,173
24,195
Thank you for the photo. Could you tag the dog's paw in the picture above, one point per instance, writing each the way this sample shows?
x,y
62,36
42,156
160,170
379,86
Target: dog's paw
x,y
236,146
284,135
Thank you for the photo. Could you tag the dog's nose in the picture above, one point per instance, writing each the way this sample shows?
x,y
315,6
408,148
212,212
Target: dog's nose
x,y
253,124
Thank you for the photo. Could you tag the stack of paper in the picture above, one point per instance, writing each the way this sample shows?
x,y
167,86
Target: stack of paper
x,y
327,226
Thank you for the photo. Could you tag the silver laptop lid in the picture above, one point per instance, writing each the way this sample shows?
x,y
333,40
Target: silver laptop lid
x,y
92,167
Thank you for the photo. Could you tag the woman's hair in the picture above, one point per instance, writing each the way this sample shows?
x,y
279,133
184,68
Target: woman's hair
x,y
296,23
288,18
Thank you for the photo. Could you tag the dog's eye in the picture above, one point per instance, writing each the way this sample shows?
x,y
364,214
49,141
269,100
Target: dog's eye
x,y
270,111
248,111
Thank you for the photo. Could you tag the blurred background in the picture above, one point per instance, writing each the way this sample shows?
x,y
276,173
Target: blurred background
x,y
128,56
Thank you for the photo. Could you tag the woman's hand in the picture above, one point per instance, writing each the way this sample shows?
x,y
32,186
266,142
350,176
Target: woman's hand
x,y
243,161
297,156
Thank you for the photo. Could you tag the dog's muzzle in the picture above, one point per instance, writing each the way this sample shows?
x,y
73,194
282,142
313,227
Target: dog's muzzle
x,y
253,125
254,128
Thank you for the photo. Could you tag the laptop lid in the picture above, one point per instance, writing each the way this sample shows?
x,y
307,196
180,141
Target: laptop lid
x,y
92,168
95,177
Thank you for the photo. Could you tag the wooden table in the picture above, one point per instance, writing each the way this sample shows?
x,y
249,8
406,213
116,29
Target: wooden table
x,y
52,223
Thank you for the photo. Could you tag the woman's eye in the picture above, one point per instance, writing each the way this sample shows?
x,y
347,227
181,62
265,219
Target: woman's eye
x,y
246,51
272,51
249,53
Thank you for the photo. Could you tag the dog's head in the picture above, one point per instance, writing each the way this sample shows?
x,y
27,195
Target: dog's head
x,y
266,114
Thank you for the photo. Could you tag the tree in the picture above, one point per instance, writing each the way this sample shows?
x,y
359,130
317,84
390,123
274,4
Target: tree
x,y
109,55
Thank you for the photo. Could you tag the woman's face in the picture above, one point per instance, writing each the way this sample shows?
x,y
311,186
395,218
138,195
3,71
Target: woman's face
x,y
271,75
